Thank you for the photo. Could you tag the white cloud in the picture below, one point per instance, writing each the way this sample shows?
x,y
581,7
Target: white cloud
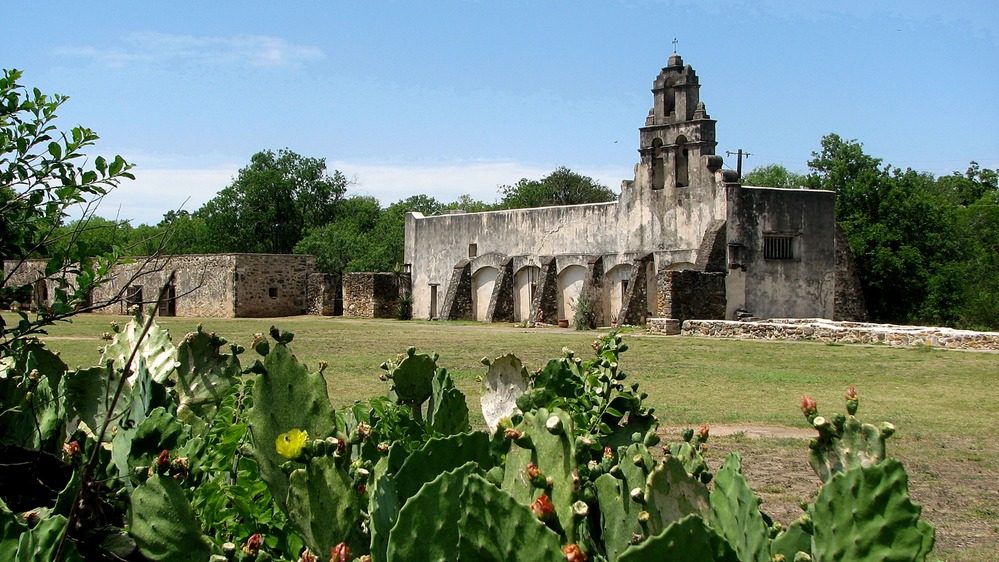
x,y
153,47
156,191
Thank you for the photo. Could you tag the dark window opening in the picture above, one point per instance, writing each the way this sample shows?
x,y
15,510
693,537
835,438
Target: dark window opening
x,y
40,294
433,302
473,250
169,305
133,296
681,164
272,292
624,290
658,165
670,103
778,247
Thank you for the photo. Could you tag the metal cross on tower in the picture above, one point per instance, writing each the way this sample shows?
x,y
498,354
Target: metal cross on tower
x,y
674,44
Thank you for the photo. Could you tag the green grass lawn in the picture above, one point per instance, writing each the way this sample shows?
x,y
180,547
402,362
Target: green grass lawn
x,y
943,403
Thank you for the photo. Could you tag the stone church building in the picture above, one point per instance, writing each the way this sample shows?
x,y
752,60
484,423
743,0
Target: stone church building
x,y
683,240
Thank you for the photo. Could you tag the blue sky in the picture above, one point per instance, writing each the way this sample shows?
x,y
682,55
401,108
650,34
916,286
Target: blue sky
x,y
447,98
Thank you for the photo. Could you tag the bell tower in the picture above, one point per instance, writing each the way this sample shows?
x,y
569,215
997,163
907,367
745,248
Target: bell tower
x,y
678,134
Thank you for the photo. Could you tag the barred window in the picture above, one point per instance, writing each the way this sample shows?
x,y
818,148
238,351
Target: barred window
x,y
778,247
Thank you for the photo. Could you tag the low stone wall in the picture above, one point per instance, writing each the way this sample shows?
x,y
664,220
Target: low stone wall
x,y
812,329
664,326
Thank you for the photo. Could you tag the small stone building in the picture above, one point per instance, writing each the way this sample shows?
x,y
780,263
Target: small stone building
x,y
684,240
208,285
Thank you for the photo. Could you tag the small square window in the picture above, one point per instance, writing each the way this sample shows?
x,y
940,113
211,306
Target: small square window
x,y
272,292
778,247
473,250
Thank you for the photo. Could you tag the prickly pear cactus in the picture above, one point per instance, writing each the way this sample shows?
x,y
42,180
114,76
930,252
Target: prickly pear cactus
x,y
155,349
796,538
686,540
865,514
437,456
163,525
689,452
412,377
541,461
447,412
472,520
844,442
286,396
505,381
324,504
735,513
203,375
673,494
42,542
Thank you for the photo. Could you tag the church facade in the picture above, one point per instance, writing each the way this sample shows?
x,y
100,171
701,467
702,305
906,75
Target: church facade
x,y
684,240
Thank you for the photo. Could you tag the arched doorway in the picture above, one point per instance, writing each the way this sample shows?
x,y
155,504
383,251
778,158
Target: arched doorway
x,y
483,282
570,285
524,289
616,287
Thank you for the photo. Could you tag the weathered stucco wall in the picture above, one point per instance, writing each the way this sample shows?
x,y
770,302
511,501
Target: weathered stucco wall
x,y
802,286
204,284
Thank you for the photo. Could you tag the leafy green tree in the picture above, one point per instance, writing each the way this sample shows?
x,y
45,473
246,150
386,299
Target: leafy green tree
x,y
773,175
922,250
561,187
43,176
272,203
350,242
469,204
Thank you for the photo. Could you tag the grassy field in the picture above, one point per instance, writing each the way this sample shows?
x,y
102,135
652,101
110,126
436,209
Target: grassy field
x,y
944,403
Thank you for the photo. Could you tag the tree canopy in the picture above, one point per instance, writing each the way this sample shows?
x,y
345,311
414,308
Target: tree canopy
x,y
773,175
926,248
272,202
561,187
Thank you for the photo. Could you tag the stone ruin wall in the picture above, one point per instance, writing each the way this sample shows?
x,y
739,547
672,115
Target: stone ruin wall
x,y
686,294
849,303
269,285
371,295
323,294
827,331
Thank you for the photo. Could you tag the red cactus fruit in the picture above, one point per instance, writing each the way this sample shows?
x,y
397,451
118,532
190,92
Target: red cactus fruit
x,y
542,508
340,553
253,544
809,407
573,553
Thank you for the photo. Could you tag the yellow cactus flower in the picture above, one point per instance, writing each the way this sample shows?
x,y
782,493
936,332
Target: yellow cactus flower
x,y
289,445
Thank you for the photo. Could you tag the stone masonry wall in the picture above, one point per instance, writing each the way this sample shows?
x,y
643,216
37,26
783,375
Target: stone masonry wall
x,y
323,294
370,295
687,294
844,332
270,285
849,303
